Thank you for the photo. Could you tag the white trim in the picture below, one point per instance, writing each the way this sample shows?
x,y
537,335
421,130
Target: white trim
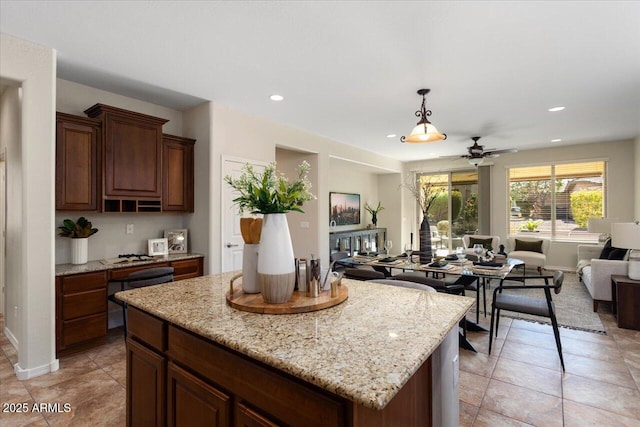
x,y
369,165
25,374
12,338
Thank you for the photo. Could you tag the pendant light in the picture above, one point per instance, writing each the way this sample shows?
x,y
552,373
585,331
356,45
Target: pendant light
x,y
424,130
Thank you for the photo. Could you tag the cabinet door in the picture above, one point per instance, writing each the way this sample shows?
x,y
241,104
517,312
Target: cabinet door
x,y
187,269
177,173
146,385
192,402
77,144
247,417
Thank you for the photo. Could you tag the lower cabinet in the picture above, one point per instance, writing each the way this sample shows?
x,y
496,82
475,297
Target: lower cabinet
x,y
146,391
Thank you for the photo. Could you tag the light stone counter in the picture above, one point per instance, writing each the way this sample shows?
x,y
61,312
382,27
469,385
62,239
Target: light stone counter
x,y
91,266
364,349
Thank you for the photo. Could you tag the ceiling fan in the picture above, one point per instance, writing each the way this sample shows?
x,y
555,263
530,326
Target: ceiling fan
x,y
477,153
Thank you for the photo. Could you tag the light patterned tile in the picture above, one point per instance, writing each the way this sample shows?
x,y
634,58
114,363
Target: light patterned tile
x,y
472,387
543,328
22,419
586,336
477,363
532,338
108,354
486,418
532,377
13,391
610,372
578,415
533,355
467,414
78,389
70,367
593,350
100,411
118,371
614,398
522,404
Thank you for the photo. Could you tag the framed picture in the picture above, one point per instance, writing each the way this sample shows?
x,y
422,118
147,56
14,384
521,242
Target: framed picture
x,y
177,240
158,247
344,208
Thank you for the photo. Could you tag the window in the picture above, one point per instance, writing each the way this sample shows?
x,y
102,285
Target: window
x,y
557,200
454,212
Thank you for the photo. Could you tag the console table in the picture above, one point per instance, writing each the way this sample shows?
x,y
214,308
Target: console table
x,y
625,293
352,241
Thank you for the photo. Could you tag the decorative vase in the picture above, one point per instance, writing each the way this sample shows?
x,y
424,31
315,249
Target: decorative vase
x,y
425,241
276,263
374,220
250,268
79,250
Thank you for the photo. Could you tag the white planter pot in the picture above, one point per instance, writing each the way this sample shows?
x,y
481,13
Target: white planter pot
x,y
276,264
250,283
79,250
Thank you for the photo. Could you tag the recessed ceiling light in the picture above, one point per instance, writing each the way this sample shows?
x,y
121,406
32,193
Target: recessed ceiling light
x,y
556,140
554,109
391,135
276,97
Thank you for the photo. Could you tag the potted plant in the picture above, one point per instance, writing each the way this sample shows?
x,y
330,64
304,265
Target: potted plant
x,y
374,212
79,232
273,195
530,225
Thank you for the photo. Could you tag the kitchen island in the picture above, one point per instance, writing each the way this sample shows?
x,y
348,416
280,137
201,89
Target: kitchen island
x,y
375,359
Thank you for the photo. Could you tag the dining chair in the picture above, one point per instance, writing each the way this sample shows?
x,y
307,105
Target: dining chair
x,y
140,279
365,273
543,307
531,250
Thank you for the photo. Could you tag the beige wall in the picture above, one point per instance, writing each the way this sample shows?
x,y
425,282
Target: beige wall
x,y
35,68
637,178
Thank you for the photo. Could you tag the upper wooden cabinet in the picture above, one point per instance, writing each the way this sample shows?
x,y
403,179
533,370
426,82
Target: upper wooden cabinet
x,y
177,173
119,161
132,148
77,163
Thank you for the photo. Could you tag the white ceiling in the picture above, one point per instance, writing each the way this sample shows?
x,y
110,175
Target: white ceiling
x,y
350,70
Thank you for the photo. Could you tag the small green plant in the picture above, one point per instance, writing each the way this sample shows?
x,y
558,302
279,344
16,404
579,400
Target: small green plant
x,y
374,212
78,229
267,193
531,225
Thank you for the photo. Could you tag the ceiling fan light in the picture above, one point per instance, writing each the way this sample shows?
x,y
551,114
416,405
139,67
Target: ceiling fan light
x,y
476,161
424,132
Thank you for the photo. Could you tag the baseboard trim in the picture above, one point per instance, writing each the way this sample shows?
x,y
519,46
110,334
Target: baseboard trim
x,y
26,374
12,339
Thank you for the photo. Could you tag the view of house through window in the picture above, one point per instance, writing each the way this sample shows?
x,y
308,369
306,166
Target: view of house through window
x,y
454,212
556,200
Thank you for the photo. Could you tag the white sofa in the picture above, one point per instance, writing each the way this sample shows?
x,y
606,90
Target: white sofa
x,y
596,273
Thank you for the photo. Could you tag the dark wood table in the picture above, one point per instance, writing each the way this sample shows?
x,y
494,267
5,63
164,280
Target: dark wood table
x,y
625,301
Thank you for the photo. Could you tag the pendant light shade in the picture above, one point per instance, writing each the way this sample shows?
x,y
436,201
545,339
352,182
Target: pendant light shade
x,y
424,130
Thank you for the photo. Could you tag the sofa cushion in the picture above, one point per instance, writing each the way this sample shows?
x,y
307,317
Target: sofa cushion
x,y
529,246
486,243
617,254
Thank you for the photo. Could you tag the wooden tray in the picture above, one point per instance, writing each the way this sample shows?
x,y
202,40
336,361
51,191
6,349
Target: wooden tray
x,y
299,302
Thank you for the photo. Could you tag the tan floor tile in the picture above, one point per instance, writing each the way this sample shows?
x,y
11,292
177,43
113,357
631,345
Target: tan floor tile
x,y
590,349
618,399
118,372
526,375
13,391
104,410
610,372
628,345
586,336
10,353
6,369
543,328
477,363
523,404
472,388
578,415
108,354
22,419
480,340
467,414
532,338
70,367
505,324
534,355
486,418
78,389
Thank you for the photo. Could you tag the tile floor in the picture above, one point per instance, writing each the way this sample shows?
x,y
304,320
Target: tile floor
x,y
520,384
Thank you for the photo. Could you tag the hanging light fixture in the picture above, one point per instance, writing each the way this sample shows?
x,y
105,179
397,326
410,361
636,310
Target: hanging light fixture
x,y
424,131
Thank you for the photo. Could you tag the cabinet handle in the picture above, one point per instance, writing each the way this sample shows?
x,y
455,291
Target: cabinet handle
x,y
230,245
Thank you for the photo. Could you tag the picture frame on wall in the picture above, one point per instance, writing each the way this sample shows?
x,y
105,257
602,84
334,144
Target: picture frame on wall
x,y
344,208
177,240
157,247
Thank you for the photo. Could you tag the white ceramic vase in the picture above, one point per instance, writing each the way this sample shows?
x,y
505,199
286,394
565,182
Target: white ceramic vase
x,y
250,283
79,250
276,264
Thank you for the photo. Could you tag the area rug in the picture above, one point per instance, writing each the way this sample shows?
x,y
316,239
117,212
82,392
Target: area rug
x,y
574,306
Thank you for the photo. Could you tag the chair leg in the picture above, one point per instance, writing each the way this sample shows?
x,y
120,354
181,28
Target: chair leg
x,y
556,334
484,294
497,321
478,300
124,319
493,312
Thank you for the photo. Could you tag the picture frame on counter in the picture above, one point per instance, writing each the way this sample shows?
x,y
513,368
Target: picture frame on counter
x,y
177,240
158,247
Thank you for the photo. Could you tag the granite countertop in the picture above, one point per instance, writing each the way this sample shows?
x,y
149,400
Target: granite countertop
x,y
96,265
364,349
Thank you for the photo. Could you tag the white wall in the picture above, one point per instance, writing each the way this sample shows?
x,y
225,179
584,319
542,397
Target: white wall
x,y
35,68
111,239
637,176
10,139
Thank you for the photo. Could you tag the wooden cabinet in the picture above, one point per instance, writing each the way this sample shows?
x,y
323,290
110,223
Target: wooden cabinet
x,y
177,174
625,294
247,417
77,163
146,404
82,308
132,159
81,311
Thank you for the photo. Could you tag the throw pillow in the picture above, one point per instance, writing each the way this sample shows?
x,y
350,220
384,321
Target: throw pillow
x,y
486,243
617,254
529,246
606,250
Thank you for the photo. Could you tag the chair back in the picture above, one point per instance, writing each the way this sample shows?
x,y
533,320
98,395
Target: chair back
x,y
434,231
558,278
336,256
512,242
403,284
495,240
151,276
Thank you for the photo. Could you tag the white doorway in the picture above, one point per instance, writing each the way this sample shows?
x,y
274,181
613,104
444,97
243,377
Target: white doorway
x,y
231,242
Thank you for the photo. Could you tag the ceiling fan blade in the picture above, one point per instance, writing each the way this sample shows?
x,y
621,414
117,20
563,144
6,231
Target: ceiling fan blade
x,y
493,152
